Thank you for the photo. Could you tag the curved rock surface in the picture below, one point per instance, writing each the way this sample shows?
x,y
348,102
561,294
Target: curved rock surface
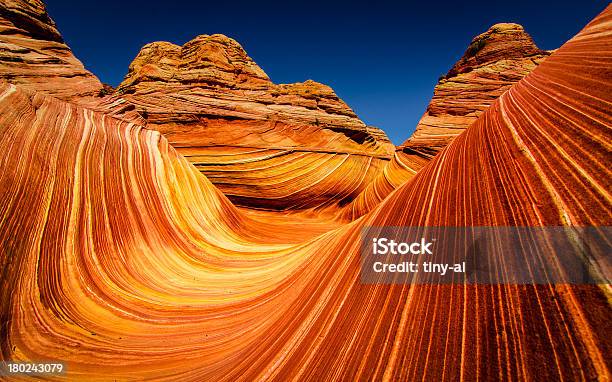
x,y
264,145
125,262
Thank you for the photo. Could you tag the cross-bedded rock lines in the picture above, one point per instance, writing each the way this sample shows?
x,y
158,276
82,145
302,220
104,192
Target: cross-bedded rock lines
x,y
121,259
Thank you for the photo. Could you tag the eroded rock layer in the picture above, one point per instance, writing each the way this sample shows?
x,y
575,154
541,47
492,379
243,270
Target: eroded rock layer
x,y
34,55
122,260
493,62
223,113
212,77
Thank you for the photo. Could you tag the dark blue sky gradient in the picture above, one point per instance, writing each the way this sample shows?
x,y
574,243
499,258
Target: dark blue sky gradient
x,y
383,58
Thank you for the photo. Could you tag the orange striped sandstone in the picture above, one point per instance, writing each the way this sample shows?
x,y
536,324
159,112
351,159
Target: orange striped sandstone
x,y
124,261
34,55
264,145
492,63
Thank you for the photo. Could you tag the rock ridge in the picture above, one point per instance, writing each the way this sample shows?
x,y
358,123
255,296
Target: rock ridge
x,y
494,61
33,53
213,77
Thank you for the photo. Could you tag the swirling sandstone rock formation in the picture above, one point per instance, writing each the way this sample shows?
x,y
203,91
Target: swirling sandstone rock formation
x,y
264,145
493,62
34,55
121,259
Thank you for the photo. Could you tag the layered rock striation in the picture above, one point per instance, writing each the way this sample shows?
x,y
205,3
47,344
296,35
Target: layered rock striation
x,y
122,260
212,78
269,146
266,146
493,62
34,55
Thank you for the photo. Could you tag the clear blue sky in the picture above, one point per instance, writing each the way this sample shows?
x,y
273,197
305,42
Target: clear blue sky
x,y
383,58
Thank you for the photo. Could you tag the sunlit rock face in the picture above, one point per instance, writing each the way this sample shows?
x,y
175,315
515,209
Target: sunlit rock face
x,y
212,78
122,260
288,146
492,63
34,55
